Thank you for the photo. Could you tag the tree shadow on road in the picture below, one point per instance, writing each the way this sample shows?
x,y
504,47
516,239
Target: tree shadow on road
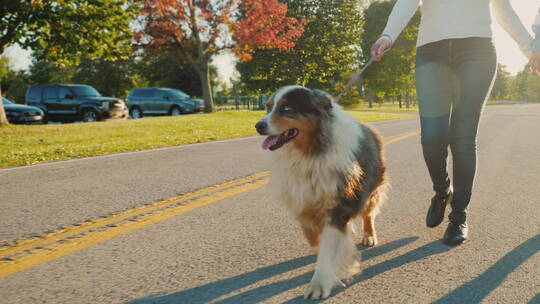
x,y
215,290
476,290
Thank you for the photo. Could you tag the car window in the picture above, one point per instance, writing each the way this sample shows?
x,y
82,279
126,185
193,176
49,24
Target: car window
x,y
178,94
63,92
85,91
50,93
145,93
34,93
161,94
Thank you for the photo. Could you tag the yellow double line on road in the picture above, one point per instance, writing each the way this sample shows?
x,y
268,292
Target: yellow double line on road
x,y
27,253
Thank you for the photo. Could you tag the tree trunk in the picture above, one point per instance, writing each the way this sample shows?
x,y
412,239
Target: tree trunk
x,y
408,100
206,87
3,118
370,99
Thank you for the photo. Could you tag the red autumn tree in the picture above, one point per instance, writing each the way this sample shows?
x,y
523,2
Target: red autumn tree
x,y
197,30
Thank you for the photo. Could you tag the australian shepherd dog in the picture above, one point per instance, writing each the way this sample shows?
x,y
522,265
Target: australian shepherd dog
x,y
328,169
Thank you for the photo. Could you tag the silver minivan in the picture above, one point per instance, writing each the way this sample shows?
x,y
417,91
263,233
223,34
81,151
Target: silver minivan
x,y
161,101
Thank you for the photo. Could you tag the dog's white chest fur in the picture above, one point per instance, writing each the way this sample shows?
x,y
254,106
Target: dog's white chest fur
x,y
312,181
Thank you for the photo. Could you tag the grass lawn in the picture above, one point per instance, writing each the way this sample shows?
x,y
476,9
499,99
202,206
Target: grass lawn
x,y
25,145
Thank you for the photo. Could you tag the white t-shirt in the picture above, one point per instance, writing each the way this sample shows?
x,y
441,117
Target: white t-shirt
x,y
447,19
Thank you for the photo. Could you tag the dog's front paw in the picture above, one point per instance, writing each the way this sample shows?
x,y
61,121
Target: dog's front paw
x,y
369,240
318,288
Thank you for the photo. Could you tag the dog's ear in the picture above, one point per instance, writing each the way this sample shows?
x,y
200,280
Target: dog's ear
x,y
323,99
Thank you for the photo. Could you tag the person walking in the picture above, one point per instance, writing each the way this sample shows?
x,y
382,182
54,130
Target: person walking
x,y
456,65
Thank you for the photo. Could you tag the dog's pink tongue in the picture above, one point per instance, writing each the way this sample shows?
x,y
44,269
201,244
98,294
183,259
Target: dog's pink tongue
x,y
270,141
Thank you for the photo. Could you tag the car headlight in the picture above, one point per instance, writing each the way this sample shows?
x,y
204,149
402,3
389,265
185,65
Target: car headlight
x,y
104,105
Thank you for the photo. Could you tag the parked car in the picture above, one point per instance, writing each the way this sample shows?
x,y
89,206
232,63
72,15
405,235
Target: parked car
x,y
161,101
21,114
71,102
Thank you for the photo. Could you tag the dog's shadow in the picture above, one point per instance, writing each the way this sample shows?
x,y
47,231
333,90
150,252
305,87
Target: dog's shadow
x,y
217,289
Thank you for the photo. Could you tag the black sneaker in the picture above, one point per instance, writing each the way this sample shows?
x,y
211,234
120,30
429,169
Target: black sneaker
x,y
455,234
435,213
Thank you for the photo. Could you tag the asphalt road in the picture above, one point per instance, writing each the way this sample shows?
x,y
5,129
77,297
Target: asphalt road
x,y
241,247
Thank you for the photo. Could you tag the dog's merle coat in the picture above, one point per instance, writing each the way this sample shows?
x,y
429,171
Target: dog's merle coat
x,y
328,169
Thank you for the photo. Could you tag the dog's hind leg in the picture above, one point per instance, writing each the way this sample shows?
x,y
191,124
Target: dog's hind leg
x,y
337,258
370,234
369,213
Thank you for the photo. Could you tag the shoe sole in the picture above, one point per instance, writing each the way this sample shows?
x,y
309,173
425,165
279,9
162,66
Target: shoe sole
x,y
455,243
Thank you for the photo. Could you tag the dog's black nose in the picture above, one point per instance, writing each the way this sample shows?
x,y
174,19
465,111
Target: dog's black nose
x,y
261,127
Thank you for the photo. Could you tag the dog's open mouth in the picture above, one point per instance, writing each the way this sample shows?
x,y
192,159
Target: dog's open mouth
x,y
274,142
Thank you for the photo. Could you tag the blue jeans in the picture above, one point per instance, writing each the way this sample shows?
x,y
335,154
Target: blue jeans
x,y
453,80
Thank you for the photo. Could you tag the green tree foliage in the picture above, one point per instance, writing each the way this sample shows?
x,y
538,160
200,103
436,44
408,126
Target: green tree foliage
x,y
525,86
501,87
14,85
327,49
42,72
110,78
65,31
353,95
393,76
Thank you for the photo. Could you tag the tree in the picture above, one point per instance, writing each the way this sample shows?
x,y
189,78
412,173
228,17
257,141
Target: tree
x,y
393,76
327,49
162,69
525,86
200,29
14,85
110,78
42,71
501,87
66,30
3,73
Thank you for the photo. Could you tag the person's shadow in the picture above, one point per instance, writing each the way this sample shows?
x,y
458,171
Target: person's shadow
x,y
477,289
471,292
214,290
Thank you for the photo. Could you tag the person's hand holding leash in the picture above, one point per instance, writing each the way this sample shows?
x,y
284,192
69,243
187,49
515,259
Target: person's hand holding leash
x,y
534,64
380,46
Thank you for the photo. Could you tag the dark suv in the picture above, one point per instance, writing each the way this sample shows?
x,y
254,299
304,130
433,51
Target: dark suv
x,y
161,101
70,102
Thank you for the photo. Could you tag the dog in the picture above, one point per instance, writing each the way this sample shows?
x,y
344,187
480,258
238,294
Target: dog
x,y
328,169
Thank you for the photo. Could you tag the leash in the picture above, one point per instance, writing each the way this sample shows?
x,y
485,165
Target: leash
x,y
353,80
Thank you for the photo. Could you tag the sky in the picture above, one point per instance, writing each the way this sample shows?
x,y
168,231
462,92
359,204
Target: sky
x,y
507,50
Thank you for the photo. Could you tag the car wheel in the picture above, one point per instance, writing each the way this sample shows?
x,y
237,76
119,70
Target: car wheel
x,y
175,111
89,115
136,113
